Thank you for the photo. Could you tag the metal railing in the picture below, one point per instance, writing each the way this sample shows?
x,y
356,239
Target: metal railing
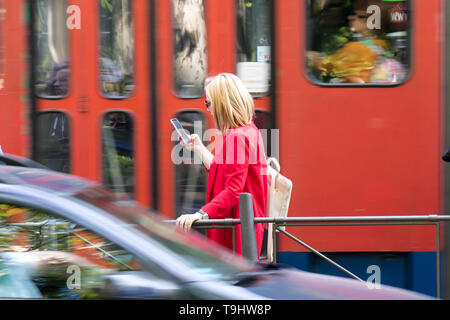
x,y
249,241
432,220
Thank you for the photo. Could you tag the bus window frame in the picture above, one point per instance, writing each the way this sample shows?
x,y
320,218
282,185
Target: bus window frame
x,y
102,116
410,54
34,58
270,92
36,140
172,49
99,67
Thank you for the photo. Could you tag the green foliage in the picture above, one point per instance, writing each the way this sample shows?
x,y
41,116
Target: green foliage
x,y
106,5
330,30
116,62
124,172
7,231
255,27
335,40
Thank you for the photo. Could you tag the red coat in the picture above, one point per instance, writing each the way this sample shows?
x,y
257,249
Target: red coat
x,y
239,165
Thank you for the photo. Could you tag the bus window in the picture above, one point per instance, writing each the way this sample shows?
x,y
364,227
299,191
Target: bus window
x,y
116,48
263,121
189,43
118,152
362,42
254,44
53,141
190,176
52,68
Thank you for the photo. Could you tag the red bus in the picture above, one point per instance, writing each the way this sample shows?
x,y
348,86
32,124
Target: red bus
x,y
353,95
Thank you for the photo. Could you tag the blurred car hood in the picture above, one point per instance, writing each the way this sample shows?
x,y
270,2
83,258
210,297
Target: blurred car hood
x,y
290,283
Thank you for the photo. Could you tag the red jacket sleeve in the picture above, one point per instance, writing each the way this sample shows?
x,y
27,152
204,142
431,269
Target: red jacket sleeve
x,y
235,176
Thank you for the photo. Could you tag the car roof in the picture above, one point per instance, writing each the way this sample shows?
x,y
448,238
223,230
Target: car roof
x,y
45,179
15,160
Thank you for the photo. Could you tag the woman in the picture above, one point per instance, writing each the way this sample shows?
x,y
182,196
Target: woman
x,y
239,163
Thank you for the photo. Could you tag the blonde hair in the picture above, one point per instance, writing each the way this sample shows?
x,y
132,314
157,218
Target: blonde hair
x,y
232,105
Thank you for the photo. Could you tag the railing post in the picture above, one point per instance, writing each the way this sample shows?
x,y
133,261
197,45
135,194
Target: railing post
x,y
274,242
248,236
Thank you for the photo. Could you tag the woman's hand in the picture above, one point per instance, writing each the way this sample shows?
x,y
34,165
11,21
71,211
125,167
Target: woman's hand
x,y
198,147
195,143
186,220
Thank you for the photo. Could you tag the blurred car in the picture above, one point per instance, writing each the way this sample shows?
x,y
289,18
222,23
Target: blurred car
x,y
14,160
62,236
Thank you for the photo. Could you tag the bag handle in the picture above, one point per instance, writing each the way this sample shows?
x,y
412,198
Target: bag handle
x,y
275,162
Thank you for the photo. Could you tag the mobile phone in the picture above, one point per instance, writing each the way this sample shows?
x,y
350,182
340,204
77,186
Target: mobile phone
x,y
180,130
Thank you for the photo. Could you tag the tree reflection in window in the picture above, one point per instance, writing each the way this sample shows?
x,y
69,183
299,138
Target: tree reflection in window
x,y
254,43
263,121
190,178
190,47
52,48
51,245
117,48
118,152
53,141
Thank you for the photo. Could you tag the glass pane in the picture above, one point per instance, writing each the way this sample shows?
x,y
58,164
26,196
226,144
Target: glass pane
x,y
190,175
53,141
190,51
117,48
358,41
118,152
43,251
254,44
52,48
263,121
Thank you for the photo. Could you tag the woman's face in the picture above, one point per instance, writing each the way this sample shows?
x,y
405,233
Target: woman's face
x,y
358,22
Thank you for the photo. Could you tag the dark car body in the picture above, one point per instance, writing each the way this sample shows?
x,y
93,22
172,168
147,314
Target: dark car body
x,y
14,160
172,264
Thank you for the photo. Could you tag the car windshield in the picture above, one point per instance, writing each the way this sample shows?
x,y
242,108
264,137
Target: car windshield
x,y
202,255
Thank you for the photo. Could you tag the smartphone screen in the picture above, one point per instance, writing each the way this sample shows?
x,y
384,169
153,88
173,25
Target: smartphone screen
x,y
179,128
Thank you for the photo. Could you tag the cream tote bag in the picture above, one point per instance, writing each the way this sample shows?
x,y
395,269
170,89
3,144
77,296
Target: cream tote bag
x,y
278,198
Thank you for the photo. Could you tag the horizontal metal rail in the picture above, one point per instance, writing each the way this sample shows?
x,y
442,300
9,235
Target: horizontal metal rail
x,y
290,220
216,224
